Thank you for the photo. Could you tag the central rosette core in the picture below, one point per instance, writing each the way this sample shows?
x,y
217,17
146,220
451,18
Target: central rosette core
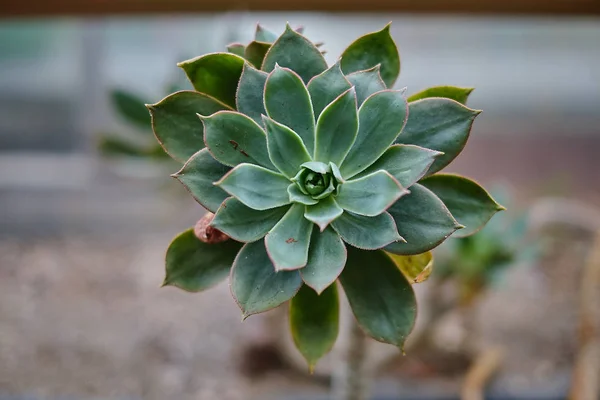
x,y
316,180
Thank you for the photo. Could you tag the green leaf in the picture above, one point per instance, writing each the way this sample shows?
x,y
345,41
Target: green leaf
x,y
317,166
314,322
250,93
469,203
423,220
176,125
237,48
294,51
405,162
215,74
255,285
113,146
326,87
255,53
370,195
296,196
449,92
368,233
326,259
366,82
381,119
131,108
264,35
287,101
416,268
256,187
287,243
233,138
198,175
337,127
438,124
381,298
244,224
324,212
286,150
194,266
370,50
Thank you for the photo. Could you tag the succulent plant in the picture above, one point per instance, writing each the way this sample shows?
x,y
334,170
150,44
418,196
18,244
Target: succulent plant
x,y
317,174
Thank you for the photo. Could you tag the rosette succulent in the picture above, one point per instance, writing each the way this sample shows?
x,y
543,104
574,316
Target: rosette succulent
x,y
317,174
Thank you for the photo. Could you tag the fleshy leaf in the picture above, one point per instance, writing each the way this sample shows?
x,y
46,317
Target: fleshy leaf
x,y
317,166
324,212
287,243
233,138
256,187
405,162
198,175
381,119
449,92
237,48
264,35
194,266
286,149
366,82
416,268
250,93
370,50
422,219
296,196
326,259
381,298
287,101
292,50
326,87
131,108
337,128
438,124
176,125
370,195
255,53
215,74
468,202
314,322
358,231
243,223
255,285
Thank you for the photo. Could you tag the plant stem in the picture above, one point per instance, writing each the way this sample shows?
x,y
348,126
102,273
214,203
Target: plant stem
x,y
351,382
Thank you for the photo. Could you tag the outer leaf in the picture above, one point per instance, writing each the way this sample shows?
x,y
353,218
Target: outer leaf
x,y
256,187
326,259
216,74
131,108
287,101
233,138
439,124
405,162
176,125
370,195
381,118
368,233
294,51
264,35
324,212
450,92
250,93
381,298
287,243
337,128
198,175
255,53
370,50
194,266
237,48
468,202
314,322
286,150
243,223
326,87
423,220
416,268
366,82
255,285
296,196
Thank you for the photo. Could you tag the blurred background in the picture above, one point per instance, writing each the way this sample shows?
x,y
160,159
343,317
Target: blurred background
x,y
87,207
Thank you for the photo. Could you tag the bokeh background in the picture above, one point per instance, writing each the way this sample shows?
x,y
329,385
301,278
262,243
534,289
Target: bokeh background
x,y
82,234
